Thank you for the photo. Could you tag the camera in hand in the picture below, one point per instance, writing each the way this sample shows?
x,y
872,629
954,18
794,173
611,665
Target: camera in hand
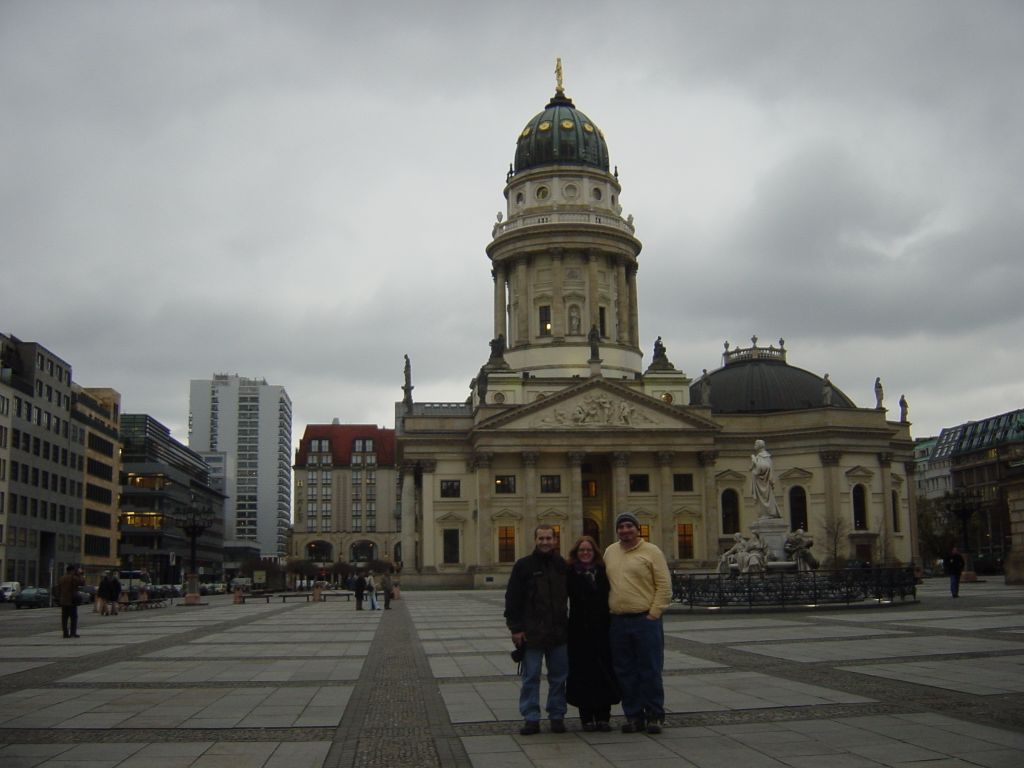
x,y
518,653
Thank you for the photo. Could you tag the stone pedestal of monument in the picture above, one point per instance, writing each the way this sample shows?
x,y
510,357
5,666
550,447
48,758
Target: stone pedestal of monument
x,y
773,532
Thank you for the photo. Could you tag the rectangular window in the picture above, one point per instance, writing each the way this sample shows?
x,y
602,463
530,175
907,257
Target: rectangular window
x,y
684,540
590,489
451,489
545,321
557,529
550,483
507,544
639,484
451,546
602,322
682,483
504,483
645,532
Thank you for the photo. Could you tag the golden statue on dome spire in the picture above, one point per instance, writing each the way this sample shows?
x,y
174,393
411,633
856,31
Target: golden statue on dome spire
x,y
558,76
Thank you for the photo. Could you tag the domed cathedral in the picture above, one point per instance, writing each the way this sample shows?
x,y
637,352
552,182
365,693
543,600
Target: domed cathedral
x,y
564,424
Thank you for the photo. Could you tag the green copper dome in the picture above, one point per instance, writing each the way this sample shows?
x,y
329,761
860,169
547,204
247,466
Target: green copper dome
x,y
560,135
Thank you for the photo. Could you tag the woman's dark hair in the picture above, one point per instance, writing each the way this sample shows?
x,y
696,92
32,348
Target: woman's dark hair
x,y
598,557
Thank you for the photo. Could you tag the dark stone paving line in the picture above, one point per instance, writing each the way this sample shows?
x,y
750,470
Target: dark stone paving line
x,y
55,670
396,716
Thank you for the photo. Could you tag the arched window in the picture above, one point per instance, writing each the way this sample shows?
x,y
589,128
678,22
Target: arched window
x,y
895,511
730,511
860,508
797,508
320,551
362,551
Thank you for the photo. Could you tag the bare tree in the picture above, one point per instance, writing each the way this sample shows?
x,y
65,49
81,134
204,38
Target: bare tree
x,y
836,529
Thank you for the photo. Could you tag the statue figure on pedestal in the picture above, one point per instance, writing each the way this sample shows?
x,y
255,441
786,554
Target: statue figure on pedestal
x,y
798,549
762,481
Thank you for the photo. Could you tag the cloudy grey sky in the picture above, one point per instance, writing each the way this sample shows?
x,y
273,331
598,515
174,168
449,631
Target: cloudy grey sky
x,y
303,191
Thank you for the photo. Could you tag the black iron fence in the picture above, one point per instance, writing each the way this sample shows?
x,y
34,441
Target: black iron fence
x,y
789,588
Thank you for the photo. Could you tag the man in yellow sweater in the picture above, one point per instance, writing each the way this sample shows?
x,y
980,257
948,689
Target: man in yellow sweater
x,y
641,591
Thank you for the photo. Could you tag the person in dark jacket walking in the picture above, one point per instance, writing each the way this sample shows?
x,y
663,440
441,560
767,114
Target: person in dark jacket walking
x,y
592,686
954,567
67,596
360,590
535,612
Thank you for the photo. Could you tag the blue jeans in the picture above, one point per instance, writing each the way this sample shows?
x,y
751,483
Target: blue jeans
x,y
638,655
558,672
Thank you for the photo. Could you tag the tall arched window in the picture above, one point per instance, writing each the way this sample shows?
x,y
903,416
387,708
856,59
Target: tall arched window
x,y
730,511
895,511
860,508
797,508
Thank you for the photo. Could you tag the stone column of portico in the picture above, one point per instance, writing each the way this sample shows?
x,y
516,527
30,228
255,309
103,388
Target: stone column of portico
x,y
529,495
558,324
667,532
622,332
500,316
575,494
634,320
427,469
885,529
620,483
712,520
910,468
592,300
830,463
484,484
410,557
523,308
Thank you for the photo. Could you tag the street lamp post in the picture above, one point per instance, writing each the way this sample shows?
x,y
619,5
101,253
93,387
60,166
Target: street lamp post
x,y
194,521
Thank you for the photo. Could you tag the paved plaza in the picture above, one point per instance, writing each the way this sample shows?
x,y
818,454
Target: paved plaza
x,y
936,683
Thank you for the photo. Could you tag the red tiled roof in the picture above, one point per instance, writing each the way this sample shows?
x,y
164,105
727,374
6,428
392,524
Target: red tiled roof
x,y
342,437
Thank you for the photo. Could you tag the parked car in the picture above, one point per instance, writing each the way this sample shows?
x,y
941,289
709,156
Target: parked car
x,y
8,590
87,594
32,597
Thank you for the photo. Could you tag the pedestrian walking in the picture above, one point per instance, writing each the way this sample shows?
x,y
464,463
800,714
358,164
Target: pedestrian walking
x,y
371,590
535,612
641,590
954,568
387,586
67,597
360,590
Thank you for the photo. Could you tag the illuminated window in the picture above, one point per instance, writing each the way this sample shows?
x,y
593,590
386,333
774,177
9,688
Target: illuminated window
x,y
507,544
590,489
504,483
545,321
684,540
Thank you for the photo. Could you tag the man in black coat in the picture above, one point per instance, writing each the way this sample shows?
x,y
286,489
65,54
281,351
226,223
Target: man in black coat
x,y
536,601
360,591
954,567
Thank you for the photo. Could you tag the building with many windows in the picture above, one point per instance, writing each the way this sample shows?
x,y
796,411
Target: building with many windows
x,y
42,458
250,422
98,412
162,481
345,494
566,425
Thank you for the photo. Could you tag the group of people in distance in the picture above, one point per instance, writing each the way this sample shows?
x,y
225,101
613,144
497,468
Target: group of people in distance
x,y
595,621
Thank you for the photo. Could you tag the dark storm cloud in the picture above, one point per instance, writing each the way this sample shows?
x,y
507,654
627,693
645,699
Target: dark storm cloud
x,y
304,191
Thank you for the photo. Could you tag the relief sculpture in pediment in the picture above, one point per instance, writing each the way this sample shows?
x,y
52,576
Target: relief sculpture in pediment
x,y
596,411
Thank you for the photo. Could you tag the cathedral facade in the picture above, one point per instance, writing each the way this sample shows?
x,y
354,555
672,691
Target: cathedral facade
x,y
564,424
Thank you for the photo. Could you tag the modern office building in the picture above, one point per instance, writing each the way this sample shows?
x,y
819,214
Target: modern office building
x,y
345,494
565,424
42,458
250,422
97,411
164,485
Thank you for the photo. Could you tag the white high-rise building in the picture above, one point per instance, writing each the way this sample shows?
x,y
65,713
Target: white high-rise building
x,y
250,423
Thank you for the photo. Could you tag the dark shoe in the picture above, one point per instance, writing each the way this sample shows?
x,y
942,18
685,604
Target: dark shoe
x,y
633,726
76,635
589,727
558,726
604,726
654,727
530,727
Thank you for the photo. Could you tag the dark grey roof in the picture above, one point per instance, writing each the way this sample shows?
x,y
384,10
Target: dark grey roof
x,y
760,386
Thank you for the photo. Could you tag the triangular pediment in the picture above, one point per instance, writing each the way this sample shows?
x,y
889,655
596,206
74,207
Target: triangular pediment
x,y
450,517
730,476
859,473
552,514
597,405
506,515
795,475
686,512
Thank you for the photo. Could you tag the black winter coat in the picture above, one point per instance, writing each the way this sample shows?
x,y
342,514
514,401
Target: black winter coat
x,y
536,600
592,682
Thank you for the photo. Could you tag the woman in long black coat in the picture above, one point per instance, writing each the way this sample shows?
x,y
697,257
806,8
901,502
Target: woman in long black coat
x,y
592,686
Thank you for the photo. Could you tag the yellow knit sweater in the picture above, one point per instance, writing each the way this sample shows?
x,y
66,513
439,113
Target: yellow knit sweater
x,y
639,579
